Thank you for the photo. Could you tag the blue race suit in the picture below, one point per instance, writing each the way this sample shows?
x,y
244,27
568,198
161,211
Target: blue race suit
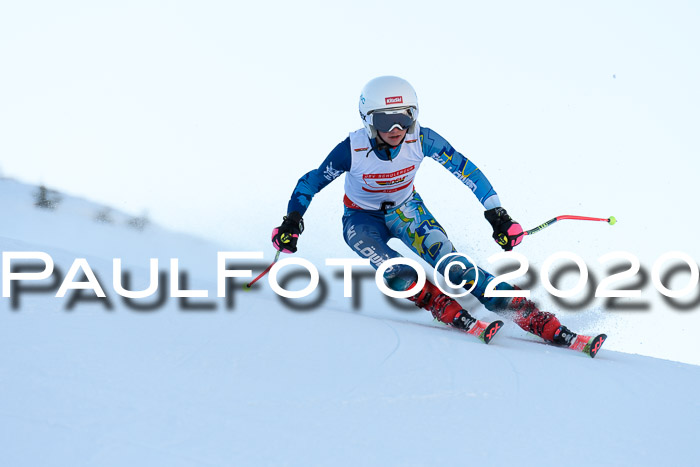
x,y
367,231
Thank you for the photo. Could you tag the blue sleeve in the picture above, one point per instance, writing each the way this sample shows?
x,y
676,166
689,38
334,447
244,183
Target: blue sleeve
x,y
436,147
337,162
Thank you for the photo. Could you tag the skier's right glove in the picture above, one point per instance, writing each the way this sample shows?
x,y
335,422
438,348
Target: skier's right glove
x,y
284,237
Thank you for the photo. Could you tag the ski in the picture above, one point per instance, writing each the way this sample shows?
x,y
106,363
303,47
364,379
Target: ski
x,y
590,345
484,331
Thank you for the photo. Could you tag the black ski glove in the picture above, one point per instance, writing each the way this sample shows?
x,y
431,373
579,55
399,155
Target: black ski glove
x,y
284,237
506,231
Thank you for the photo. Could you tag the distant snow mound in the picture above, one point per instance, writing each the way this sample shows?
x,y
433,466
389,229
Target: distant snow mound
x,y
51,220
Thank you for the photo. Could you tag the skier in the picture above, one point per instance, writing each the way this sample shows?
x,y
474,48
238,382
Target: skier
x,y
380,162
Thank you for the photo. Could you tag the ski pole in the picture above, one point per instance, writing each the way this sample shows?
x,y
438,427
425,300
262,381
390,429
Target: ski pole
x,y
250,284
610,220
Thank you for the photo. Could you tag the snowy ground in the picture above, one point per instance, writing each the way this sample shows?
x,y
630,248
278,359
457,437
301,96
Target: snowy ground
x,y
263,384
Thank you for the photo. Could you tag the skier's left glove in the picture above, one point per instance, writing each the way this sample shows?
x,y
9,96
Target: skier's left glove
x,y
506,231
284,237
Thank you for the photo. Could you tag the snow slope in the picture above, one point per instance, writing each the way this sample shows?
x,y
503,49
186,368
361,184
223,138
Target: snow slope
x,y
264,384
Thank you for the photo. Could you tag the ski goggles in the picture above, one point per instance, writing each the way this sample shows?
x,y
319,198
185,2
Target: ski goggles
x,y
385,121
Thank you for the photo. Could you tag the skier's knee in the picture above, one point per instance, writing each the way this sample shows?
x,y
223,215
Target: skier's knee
x,y
400,277
470,274
496,303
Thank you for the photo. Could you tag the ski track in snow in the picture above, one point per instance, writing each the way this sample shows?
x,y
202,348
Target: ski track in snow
x,y
396,347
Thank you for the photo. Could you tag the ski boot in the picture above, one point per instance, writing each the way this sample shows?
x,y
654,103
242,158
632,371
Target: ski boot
x,y
449,311
547,326
531,319
442,307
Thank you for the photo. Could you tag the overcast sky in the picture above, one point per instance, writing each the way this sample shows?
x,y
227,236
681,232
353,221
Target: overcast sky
x,y
167,106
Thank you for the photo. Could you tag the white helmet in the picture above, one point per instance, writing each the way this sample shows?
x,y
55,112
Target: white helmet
x,y
394,98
